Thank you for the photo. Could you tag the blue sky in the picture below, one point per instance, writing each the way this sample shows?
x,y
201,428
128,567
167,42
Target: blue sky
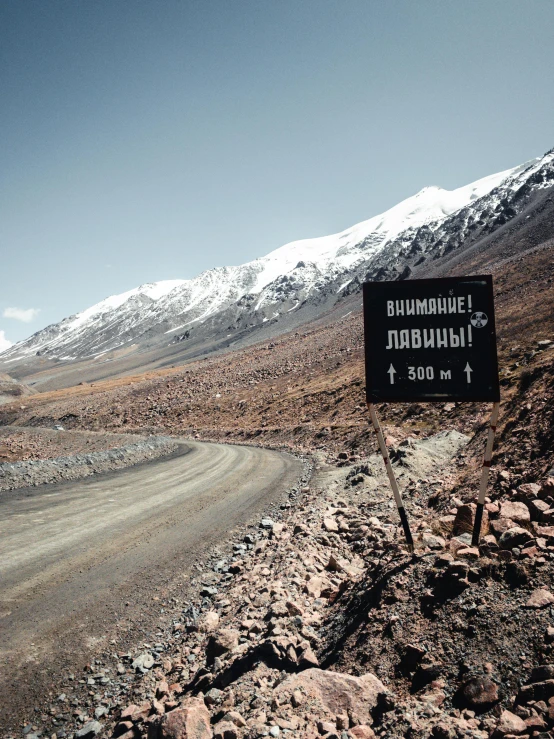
x,y
153,139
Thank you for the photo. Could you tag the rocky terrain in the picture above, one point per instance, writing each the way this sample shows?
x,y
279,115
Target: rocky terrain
x,y
19,444
30,457
316,622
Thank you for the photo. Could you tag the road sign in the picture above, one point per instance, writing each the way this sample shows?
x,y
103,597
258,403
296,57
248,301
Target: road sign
x,y
430,340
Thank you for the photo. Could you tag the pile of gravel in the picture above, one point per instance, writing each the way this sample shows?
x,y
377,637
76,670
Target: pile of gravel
x,y
40,471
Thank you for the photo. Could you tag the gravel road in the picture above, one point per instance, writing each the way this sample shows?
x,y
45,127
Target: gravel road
x,y
81,562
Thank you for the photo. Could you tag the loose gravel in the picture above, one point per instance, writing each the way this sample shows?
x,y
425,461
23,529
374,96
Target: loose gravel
x,y
73,467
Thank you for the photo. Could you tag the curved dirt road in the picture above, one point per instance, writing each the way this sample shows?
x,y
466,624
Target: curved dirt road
x,y
80,562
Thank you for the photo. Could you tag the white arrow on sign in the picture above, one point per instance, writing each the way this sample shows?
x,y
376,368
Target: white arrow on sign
x,y
468,371
392,373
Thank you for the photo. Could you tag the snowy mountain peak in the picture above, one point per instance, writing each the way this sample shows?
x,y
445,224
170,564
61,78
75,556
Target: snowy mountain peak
x,y
289,276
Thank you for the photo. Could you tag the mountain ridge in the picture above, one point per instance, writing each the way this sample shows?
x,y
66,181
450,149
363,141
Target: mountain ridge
x,y
229,300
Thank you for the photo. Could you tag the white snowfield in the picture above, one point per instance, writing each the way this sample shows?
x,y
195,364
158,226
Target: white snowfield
x,y
303,265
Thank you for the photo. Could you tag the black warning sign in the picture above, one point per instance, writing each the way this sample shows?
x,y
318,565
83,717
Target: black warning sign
x,y
430,340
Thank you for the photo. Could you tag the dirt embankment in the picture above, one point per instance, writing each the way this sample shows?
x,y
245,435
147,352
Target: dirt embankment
x,y
30,457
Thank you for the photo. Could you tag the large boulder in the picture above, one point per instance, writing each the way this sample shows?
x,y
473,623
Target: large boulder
x,y
538,509
540,598
515,537
208,622
190,721
510,723
337,693
465,520
480,692
528,490
221,642
543,672
515,511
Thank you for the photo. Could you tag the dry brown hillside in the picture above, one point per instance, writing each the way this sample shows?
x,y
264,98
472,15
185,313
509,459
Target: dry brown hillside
x,y
306,390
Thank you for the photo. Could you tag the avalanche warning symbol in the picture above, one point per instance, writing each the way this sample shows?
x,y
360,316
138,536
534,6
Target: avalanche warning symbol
x,y
479,320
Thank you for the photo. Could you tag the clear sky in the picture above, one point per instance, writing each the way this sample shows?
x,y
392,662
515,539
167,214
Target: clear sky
x,y
144,140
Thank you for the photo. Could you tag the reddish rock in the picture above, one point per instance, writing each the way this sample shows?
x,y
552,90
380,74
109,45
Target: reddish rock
x,y
158,707
336,692
492,508
529,552
162,689
225,730
543,691
297,698
342,721
307,659
191,721
456,545
544,531
363,731
510,723
315,585
447,522
329,524
221,642
480,691
128,711
235,718
515,511
529,490
325,727
278,609
465,518
537,509
500,525
208,622
432,541
293,608
468,553
540,598
535,722
490,539
137,713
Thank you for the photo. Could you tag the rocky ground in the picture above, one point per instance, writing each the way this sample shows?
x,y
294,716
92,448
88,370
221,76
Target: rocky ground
x,y
30,457
21,444
317,622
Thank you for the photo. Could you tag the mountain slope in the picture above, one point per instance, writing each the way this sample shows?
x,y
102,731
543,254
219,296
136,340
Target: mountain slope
x,y
296,281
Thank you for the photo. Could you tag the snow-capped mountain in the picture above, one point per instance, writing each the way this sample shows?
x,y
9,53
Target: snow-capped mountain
x,y
229,299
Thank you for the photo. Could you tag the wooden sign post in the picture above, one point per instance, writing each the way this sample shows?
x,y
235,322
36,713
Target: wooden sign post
x,y
431,341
